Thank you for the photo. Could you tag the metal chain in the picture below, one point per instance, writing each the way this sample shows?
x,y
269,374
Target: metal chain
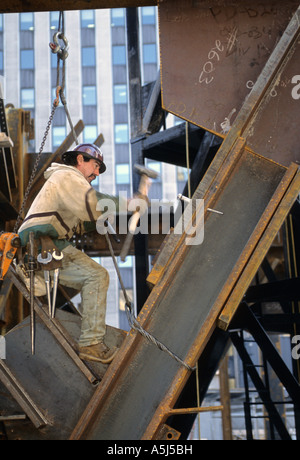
x,y
35,167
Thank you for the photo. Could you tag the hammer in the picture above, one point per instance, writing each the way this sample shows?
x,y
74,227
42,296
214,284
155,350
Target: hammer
x,y
144,186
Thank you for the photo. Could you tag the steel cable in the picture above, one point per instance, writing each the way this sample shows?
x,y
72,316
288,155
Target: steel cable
x,y
133,322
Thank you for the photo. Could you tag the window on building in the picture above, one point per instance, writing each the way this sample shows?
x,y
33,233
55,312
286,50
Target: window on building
x,y
27,98
119,55
95,183
122,174
87,18
120,94
54,19
177,120
1,61
58,135
156,166
182,174
1,22
128,263
121,133
117,17
148,15
88,56
89,95
90,133
26,21
149,53
27,59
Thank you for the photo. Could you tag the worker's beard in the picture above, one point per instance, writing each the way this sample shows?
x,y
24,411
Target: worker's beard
x,y
91,178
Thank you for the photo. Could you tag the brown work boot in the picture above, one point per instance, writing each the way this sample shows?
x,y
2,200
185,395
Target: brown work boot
x,y
100,353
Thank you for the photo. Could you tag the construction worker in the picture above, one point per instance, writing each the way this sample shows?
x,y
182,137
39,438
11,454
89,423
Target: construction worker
x,y
66,202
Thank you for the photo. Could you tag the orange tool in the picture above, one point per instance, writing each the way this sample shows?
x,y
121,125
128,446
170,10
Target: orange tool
x,y
9,243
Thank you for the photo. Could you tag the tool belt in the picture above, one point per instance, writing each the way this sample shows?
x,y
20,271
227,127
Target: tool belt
x,y
43,255
50,257
46,256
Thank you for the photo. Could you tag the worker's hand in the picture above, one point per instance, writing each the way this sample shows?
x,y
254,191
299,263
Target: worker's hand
x,y
139,195
138,203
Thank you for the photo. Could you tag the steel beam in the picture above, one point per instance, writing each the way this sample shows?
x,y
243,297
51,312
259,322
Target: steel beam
x,y
141,377
21,396
274,217
54,327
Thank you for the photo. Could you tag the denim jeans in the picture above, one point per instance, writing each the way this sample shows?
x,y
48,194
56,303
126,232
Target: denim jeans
x,y
82,273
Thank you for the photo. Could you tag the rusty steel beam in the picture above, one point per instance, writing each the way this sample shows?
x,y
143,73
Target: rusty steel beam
x,y
272,131
261,239
55,328
275,223
19,6
255,194
37,417
95,245
142,377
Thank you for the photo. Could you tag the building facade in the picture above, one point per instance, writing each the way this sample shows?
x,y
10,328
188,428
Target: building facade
x,y
96,90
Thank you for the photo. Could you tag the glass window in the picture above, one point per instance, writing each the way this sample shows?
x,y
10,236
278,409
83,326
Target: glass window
x,y
95,183
87,19
89,96
58,135
182,174
149,53
177,121
27,59
26,21
90,133
122,174
54,19
119,55
120,94
27,98
88,56
128,263
148,15
121,133
1,61
156,166
118,17
1,22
